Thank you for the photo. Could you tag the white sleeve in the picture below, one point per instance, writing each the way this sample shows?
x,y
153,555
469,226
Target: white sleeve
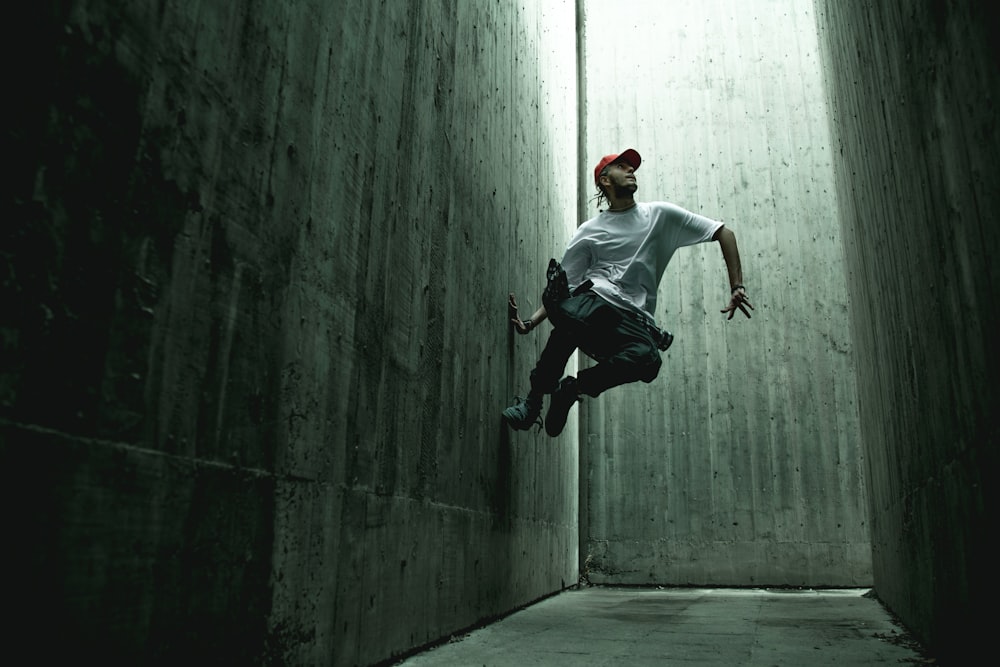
x,y
689,228
577,260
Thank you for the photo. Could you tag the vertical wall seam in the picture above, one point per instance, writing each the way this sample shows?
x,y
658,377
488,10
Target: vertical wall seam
x,y
583,521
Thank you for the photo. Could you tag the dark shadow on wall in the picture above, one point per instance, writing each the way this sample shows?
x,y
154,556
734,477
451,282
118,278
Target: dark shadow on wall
x,y
503,488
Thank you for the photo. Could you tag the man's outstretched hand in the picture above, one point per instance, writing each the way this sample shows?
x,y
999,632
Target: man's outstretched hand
x,y
738,300
519,326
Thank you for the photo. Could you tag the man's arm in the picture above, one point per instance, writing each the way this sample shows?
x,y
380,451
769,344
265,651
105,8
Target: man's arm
x,y
524,326
731,255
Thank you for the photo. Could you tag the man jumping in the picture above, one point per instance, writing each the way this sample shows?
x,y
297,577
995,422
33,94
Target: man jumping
x,y
602,296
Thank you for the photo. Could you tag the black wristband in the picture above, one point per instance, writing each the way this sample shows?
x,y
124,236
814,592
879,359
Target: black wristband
x,y
736,287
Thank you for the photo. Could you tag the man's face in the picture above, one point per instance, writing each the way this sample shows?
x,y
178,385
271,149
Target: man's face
x,y
622,176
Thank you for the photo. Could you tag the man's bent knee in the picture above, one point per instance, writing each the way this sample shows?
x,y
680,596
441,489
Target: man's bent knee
x,y
648,372
644,360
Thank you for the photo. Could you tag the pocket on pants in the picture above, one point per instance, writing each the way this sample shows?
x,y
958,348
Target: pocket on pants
x,y
579,312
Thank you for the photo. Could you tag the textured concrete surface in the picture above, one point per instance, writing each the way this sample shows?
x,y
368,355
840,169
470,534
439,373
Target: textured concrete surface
x,y
914,88
254,333
741,463
721,627
255,344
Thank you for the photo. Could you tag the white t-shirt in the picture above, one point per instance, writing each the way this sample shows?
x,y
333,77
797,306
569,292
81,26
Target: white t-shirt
x,y
626,252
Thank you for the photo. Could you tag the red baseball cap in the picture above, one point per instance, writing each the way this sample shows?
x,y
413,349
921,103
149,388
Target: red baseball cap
x,y
629,155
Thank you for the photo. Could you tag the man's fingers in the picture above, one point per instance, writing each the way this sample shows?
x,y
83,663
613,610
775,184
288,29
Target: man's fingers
x,y
519,326
734,304
511,307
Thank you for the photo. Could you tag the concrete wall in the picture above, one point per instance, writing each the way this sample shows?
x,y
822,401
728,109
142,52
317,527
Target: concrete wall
x,y
741,464
914,88
255,339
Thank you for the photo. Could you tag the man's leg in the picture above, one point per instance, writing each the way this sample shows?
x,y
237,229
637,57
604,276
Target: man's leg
x,y
633,356
627,353
552,362
524,413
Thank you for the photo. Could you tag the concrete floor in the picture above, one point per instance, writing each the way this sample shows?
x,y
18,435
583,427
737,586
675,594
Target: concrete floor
x,y
687,626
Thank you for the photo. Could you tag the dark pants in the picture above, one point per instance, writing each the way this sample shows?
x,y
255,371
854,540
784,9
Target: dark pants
x,y
622,346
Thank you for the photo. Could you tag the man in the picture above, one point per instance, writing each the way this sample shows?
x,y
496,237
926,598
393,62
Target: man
x,y
613,266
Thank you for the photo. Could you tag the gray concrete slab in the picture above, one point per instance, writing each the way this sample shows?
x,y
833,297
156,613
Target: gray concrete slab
x,y
603,626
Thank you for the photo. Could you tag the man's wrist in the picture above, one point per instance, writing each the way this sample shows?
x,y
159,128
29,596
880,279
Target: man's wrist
x,y
736,287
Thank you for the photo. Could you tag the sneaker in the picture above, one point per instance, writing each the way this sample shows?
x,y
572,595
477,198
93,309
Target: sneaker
x,y
563,398
525,413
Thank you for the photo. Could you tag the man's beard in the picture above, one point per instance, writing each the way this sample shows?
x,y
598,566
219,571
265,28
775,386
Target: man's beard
x,y
625,191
